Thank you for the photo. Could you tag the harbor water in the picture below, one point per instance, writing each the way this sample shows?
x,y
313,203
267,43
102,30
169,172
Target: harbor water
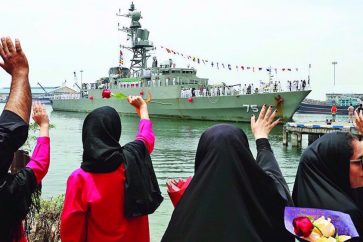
x,y
173,156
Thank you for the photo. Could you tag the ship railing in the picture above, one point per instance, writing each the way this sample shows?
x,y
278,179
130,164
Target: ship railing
x,y
216,92
66,96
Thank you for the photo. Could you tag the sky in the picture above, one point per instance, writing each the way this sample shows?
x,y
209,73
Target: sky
x,y
61,37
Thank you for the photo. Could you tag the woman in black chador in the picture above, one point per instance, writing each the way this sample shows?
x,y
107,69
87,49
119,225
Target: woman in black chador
x,y
330,176
232,196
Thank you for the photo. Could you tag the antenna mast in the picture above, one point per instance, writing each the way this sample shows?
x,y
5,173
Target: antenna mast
x,y
140,44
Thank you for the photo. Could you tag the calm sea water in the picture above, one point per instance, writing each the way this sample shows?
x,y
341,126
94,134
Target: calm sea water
x,y
173,156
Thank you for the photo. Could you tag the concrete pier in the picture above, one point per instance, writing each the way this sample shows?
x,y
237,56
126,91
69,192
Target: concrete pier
x,y
314,130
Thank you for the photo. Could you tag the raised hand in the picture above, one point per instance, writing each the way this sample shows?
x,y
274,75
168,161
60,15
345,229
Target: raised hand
x,y
15,61
359,121
140,106
40,115
264,123
136,101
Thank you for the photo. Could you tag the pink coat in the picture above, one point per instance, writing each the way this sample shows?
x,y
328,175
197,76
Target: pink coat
x,y
94,204
39,163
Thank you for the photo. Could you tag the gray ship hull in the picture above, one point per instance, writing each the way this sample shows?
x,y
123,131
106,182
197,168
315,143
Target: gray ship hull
x,y
237,108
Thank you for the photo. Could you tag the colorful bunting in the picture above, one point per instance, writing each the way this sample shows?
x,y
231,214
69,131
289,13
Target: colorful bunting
x,y
216,64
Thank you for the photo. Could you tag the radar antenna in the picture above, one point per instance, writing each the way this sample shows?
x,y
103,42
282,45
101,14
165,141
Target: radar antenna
x,y
140,44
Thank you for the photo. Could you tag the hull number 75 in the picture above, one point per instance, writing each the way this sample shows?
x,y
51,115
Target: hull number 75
x,y
250,108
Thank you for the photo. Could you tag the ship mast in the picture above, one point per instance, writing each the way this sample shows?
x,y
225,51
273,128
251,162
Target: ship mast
x,y
140,44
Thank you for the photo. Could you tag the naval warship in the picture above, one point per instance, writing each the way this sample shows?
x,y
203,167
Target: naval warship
x,y
174,92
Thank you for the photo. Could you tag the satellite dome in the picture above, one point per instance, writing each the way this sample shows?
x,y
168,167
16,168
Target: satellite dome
x,y
136,15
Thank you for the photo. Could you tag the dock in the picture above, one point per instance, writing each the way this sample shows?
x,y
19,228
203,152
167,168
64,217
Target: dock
x,y
314,130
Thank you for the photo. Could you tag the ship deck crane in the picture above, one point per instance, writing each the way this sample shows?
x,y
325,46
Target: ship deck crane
x,y
42,88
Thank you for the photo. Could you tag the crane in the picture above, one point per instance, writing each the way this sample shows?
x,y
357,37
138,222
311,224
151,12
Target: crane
x,y
42,88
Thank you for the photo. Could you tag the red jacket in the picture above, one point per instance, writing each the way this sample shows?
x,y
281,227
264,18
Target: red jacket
x,y
334,109
94,204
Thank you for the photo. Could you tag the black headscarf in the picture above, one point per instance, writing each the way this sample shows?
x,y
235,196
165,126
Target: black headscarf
x,y
100,136
19,193
102,153
322,179
230,198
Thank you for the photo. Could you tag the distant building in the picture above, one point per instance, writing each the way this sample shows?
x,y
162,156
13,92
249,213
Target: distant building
x,y
38,93
344,99
63,90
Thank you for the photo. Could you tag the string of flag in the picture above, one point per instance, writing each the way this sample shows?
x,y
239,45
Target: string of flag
x,y
220,65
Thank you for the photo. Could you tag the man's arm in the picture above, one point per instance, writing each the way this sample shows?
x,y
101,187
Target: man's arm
x,y
16,64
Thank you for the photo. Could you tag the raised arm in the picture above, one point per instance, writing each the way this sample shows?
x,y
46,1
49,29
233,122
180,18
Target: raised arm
x,y
261,129
16,64
265,157
145,133
39,162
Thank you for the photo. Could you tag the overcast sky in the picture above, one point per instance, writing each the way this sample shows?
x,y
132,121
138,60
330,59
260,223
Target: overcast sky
x,y
63,36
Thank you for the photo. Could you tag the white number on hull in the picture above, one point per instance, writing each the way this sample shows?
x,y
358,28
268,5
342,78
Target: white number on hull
x,y
253,108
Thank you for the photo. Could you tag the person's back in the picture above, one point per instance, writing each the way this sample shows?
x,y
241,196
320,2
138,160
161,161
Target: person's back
x,y
233,197
99,204
102,195
21,185
350,109
334,109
